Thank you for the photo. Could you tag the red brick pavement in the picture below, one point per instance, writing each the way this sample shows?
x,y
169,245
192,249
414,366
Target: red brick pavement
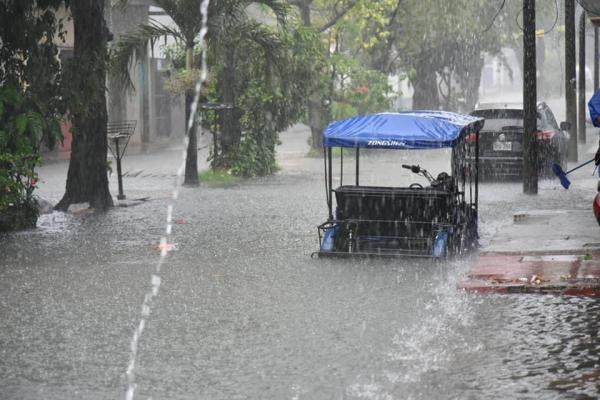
x,y
570,273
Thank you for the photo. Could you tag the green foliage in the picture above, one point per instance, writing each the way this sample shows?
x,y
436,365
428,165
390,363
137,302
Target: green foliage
x,y
256,154
181,81
132,46
23,128
437,44
30,103
218,177
358,90
249,62
270,87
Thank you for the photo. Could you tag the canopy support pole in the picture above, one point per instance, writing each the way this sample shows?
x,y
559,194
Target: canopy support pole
x,y
477,171
357,164
341,166
325,171
330,179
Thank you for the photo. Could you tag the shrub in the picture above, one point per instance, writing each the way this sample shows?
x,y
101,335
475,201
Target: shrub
x,y
23,128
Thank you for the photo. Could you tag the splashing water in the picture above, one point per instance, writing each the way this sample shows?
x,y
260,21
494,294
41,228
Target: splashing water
x,y
164,246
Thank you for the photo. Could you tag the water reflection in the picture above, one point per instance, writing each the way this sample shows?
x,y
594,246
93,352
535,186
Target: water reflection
x,y
245,313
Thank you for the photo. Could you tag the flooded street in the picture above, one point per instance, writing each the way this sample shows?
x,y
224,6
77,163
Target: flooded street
x,y
181,138
244,312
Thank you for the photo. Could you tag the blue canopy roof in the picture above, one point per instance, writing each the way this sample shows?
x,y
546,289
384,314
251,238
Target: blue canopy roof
x,y
403,130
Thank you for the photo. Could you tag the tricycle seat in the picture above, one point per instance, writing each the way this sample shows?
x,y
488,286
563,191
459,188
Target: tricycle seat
x,y
394,204
392,218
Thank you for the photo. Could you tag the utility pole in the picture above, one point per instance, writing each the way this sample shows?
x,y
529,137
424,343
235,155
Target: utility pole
x,y
596,61
530,148
570,78
582,105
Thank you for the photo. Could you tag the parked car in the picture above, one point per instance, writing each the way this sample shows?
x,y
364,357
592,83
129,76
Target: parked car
x,y
501,140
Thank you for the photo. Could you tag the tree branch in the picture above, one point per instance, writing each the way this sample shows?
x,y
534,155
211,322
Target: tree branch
x,y
339,15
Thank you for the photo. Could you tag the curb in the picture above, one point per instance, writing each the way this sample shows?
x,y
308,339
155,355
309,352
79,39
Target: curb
x,y
573,273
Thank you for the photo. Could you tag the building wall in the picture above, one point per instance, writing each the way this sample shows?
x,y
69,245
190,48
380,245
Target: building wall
x,y
154,110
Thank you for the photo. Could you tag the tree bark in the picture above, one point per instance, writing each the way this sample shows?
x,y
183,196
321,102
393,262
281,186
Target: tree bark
x,y
582,109
596,58
191,160
469,77
87,178
317,117
570,77
530,145
230,137
426,96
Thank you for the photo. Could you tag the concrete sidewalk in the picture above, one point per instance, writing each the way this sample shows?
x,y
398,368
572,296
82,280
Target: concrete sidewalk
x,y
150,170
553,250
542,251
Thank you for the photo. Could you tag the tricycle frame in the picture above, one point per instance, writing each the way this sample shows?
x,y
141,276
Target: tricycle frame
x,y
461,230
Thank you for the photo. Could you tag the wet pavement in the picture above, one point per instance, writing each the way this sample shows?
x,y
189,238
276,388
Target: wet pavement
x,y
245,313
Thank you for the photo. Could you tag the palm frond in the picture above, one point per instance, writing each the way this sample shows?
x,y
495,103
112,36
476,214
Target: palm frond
x,y
264,37
132,46
186,15
279,8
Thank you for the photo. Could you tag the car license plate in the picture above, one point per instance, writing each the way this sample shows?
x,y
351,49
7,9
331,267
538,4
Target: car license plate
x,y
502,146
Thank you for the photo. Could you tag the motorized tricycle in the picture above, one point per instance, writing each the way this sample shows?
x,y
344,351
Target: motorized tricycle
x,y
437,220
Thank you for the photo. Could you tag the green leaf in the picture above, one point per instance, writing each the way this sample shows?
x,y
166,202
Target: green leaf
x,y
21,122
36,126
55,133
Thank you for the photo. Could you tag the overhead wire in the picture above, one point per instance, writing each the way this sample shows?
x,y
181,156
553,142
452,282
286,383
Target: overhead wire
x,y
545,31
555,17
582,6
494,18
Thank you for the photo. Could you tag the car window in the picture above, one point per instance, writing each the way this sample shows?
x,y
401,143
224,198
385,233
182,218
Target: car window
x,y
497,119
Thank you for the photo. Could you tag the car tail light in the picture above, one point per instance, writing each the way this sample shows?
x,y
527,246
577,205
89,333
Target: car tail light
x,y
545,135
471,138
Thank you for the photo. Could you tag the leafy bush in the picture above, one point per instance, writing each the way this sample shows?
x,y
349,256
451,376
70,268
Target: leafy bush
x,y
256,153
359,91
30,101
23,128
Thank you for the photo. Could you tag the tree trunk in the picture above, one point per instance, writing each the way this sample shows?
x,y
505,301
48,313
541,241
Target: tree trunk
x,y
87,179
426,96
530,147
191,161
582,109
470,81
229,139
144,94
304,7
316,116
570,77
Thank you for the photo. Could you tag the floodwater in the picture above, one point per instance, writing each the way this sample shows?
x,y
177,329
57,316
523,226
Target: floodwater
x,y
244,312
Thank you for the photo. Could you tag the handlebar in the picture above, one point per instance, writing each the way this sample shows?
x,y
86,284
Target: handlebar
x,y
414,168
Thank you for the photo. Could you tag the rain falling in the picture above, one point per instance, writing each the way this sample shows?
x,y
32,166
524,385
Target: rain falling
x,y
303,199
